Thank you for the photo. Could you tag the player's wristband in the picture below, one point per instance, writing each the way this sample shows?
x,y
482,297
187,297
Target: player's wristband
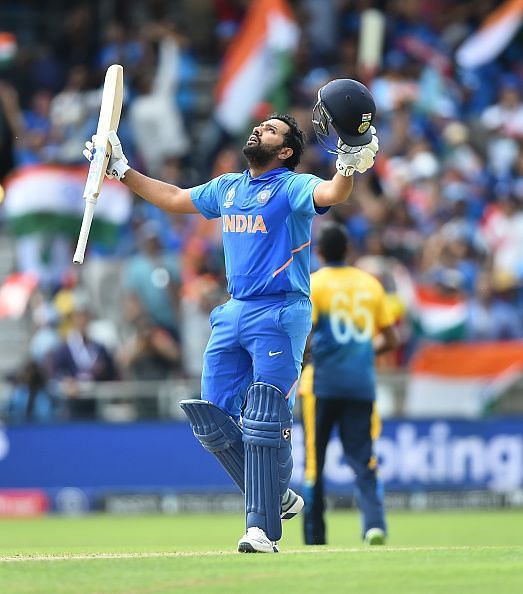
x,y
118,169
343,169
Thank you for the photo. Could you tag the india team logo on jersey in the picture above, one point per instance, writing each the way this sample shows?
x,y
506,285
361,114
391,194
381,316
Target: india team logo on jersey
x,y
241,223
229,198
263,197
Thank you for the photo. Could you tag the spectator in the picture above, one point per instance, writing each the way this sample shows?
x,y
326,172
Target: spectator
x,y
73,114
506,116
38,144
402,239
79,360
119,47
154,117
503,231
151,353
29,400
202,291
45,338
492,312
152,276
504,124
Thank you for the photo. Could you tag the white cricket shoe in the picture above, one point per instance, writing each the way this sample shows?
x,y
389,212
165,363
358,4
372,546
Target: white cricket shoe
x,y
291,505
255,541
374,536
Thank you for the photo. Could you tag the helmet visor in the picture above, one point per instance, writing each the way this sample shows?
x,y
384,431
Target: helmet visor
x,y
326,134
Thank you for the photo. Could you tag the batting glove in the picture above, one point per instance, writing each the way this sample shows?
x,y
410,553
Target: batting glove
x,y
352,159
117,165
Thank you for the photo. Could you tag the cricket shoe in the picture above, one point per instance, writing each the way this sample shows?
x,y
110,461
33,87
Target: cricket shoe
x,y
374,536
291,505
255,541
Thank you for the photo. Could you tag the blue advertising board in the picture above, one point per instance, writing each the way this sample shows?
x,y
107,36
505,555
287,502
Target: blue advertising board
x,y
159,457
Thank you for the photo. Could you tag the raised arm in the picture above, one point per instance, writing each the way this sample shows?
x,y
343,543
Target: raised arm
x,y
165,196
168,197
333,191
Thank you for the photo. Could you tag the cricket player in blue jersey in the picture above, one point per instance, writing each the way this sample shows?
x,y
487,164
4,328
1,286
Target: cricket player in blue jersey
x,y
252,362
352,322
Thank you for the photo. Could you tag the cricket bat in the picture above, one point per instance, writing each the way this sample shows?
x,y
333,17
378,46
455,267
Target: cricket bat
x,y
109,118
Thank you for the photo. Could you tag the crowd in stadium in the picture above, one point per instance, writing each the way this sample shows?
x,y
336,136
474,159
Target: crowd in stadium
x,y
439,219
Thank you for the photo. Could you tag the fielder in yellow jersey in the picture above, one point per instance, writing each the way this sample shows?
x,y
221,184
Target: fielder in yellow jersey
x,y
352,322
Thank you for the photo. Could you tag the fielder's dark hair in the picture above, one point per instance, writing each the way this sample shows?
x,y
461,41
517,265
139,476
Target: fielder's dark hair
x,y
333,242
294,139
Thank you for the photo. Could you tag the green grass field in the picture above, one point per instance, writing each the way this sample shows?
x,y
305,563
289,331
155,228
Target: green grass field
x,y
458,552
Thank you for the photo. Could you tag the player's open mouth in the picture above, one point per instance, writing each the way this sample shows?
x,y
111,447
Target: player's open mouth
x,y
253,140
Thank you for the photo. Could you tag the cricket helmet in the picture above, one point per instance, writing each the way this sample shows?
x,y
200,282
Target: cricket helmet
x,y
345,110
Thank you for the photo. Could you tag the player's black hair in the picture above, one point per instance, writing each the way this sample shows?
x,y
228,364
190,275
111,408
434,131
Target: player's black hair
x,y
294,139
333,242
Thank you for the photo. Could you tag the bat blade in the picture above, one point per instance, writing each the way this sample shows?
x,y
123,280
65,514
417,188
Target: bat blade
x,y
109,118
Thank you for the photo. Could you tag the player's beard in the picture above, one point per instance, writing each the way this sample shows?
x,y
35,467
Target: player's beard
x,y
260,155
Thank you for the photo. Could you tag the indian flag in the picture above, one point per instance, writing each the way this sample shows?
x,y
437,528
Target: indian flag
x,y
256,63
437,316
48,199
493,36
15,292
8,46
461,379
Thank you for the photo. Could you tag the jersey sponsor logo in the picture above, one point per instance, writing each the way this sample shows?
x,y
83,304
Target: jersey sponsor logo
x,y
263,197
229,198
286,434
274,353
239,223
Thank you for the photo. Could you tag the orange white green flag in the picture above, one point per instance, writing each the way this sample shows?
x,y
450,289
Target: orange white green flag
x,y
48,199
494,35
461,379
8,46
256,62
438,316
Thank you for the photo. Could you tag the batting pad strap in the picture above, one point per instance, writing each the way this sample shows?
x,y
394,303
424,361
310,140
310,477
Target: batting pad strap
x,y
267,424
267,419
219,434
267,434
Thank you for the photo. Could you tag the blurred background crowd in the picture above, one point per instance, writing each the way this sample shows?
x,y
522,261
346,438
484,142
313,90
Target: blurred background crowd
x,y
439,219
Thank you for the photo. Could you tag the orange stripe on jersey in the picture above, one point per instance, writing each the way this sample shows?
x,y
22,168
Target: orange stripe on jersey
x,y
276,272
294,251
302,247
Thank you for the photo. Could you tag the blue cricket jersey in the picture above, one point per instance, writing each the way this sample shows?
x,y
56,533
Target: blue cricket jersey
x,y
266,224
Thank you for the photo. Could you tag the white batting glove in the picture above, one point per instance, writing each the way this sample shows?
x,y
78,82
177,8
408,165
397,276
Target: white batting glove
x,y
357,160
117,165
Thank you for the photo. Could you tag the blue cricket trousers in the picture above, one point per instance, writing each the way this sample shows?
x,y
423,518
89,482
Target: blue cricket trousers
x,y
261,339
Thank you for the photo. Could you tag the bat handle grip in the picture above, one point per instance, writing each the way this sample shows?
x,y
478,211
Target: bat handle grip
x,y
84,231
